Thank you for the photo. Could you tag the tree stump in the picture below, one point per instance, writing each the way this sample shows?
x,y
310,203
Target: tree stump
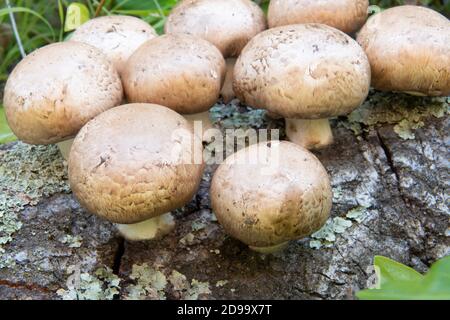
x,y
389,167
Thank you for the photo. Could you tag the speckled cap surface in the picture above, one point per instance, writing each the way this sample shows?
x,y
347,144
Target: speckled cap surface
x,y
409,50
118,37
135,162
306,71
182,72
228,24
283,196
56,89
345,15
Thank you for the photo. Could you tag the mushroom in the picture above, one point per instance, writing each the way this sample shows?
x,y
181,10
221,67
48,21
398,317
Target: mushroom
x,y
228,24
345,15
58,88
135,163
227,92
117,36
306,73
271,193
409,50
182,72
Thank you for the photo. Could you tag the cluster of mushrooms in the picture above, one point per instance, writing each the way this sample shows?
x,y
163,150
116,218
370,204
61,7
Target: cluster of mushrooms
x,y
134,163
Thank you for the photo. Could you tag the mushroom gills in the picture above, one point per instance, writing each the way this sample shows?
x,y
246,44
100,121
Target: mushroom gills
x,y
310,134
150,229
272,249
64,148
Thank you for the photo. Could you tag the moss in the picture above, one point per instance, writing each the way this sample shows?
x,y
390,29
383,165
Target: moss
x,y
405,112
28,173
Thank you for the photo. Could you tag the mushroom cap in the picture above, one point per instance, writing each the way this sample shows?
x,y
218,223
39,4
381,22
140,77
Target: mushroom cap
x,y
116,36
182,72
56,89
409,50
228,24
307,71
345,15
284,195
135,162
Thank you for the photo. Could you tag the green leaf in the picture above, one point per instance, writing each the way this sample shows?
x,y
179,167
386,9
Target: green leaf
x,y
390,270
6,134
77,14
399,282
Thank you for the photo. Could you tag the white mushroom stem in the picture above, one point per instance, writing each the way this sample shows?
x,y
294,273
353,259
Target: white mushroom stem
x,y
272,249
204,119
150,229
64,148
310,134
227,92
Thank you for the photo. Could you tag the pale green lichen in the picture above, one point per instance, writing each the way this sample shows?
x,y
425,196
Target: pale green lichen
x,y
72,241
103,285
406,113
178,281
357,214
221,283
149,283
198,225
28,173
326,236
188,239
404,129
233,115
197,288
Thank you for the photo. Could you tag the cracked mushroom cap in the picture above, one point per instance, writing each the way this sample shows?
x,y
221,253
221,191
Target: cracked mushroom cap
x,y
228,24
55,90
116,36
345,15
282,196
135,162
308,71
409,50
182,72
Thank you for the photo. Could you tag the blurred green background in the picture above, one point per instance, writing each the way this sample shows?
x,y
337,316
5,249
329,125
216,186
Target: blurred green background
x,y
42,22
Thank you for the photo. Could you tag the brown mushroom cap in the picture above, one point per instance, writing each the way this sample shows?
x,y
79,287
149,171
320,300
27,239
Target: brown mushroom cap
x,y
55,90
308,71
132,163
345,15
409,50
265,207
182,72
228,24
116,36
